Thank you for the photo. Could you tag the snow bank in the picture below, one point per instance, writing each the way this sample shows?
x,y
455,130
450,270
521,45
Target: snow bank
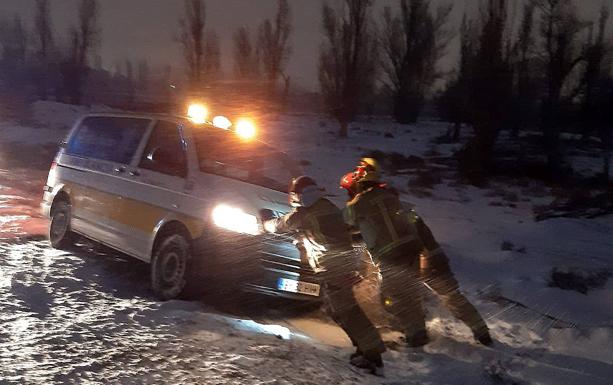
x,y
53,115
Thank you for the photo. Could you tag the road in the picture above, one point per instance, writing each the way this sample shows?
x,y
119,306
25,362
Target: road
x,y
88,315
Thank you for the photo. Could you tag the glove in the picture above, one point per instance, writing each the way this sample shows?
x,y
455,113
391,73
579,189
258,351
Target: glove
x,y
266,215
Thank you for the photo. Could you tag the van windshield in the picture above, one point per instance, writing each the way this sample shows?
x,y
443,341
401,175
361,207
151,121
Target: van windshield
x,y
221,153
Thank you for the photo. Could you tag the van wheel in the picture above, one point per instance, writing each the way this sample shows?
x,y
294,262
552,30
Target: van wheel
x,y
60,234
169,267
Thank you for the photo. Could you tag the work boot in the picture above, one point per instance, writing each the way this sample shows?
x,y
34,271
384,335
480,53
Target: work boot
x,y
483,336
370,361
418,339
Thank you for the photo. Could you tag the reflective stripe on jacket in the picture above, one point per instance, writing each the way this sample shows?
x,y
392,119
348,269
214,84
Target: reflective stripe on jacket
x,y
385,226
321,224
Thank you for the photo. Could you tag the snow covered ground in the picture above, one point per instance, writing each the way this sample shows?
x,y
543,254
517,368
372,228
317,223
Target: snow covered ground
x,y
87,317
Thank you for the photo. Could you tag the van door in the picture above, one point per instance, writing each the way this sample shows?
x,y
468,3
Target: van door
x,y
158,192
95,164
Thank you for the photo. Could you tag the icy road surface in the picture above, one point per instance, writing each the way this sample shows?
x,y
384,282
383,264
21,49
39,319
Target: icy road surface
x,y
88,318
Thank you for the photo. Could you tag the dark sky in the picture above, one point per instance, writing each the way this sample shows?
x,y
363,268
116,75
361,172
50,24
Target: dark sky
x,y
145,29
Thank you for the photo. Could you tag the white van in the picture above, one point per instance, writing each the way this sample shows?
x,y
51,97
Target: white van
x,y
183,197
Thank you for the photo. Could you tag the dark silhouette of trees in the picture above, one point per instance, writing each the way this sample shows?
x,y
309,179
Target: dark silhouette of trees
x,y
273,45
412,43
212,56
83,40
597,100
525,83
490,86
43,37
347,62
596,51
13,39
454,102
246,63
561,55
191,38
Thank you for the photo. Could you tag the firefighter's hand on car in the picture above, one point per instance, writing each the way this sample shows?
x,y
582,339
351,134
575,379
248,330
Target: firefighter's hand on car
x,y
266,215
268,220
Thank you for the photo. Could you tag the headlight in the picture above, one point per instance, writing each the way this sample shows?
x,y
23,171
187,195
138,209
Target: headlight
x,y
197,113
236,220
245,128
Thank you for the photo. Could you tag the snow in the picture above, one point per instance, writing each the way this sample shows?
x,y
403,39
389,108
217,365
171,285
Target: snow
x,y
88,317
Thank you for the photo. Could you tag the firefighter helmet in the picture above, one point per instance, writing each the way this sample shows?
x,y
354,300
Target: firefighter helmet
x,y
300,186
349,183
368,170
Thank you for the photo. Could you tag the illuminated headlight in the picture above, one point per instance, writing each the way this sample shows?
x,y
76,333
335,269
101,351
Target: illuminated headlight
x,y
234,219
197,113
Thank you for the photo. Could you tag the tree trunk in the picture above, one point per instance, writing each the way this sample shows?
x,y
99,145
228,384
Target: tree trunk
x,y
606,165
344,129
456,131
406,108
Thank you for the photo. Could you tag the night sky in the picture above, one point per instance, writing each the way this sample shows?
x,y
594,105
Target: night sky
x,y
146,29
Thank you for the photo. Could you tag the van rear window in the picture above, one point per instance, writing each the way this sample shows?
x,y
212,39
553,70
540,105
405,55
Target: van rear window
x,y
108,138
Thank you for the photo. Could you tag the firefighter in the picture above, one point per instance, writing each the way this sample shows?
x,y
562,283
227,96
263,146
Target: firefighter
x,y
403,245
327,240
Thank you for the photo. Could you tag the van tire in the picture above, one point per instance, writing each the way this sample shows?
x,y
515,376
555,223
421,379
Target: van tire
x,y
169,266
60,233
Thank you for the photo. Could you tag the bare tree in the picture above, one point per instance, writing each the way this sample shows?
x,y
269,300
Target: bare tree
x,y
192,39
561,55
43,29
595,55
246,63
347,59
13,41
143,74
273,45
454,102
43,35
83,39
523,61
489,90
413,42
212,56
598,89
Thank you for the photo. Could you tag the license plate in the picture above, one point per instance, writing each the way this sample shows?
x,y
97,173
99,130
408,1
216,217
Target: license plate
x,y
300,287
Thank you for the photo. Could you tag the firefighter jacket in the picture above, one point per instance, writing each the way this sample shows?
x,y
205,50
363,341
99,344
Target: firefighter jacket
x,y
385,226
321,225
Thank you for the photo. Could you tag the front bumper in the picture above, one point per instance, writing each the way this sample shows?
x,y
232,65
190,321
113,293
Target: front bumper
x,y
256,264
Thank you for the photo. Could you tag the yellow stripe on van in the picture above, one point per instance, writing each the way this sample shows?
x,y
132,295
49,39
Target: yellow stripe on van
x,y
126,211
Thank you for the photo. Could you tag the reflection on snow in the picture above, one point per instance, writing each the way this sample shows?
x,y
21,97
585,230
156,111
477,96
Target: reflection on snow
x,y
252,326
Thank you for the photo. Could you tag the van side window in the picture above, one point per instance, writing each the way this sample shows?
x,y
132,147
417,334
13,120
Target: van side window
x,y
108,138
164,152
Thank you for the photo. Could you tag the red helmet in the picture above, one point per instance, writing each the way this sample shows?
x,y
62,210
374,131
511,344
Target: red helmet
x,y
349,183
297,187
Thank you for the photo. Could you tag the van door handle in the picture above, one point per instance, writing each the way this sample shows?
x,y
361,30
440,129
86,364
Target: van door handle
x,y
119,170
134,173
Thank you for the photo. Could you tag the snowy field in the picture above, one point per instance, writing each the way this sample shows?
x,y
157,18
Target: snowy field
x,y
88,317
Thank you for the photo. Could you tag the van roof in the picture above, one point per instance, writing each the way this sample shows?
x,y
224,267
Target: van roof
x,y
137,115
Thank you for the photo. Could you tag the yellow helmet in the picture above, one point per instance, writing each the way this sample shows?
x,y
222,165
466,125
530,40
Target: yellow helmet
x,y
370,164
368,170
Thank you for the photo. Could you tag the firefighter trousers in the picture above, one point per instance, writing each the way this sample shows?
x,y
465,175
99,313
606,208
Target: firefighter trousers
x,y
402,294
340,303
436,273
